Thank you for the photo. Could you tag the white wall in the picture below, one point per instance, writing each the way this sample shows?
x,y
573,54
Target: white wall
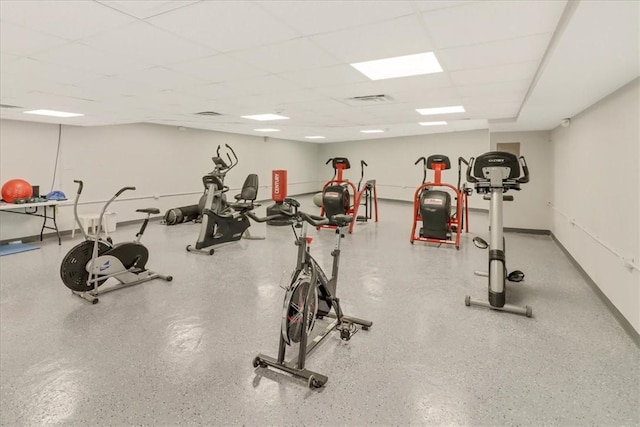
x,y
530,206
391,160
159,160
595,213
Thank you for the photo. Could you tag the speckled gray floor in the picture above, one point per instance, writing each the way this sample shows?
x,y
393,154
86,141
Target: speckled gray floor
x,y
180,353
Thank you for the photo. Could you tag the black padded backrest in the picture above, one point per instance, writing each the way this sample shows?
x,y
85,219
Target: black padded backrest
x,y
496,159
250,188
340,161
438,158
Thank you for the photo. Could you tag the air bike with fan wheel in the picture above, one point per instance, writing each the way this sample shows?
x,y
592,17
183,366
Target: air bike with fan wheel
x,y
310,295
336,196
88,265
493,174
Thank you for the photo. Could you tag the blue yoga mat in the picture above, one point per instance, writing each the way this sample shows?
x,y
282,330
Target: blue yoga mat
x,y
14,248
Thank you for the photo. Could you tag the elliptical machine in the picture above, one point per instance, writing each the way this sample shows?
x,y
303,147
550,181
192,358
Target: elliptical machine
x,y
336,195
224,222
432,207
310,295
90,263
493,174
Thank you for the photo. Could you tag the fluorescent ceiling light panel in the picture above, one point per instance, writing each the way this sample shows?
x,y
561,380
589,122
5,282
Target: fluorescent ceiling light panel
x,y
400,66
265,117
372,131
441,110
53,113
267,130
314,137
432,123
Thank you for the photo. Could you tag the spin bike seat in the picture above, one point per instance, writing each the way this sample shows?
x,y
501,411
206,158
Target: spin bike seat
x,y
149,210
341,220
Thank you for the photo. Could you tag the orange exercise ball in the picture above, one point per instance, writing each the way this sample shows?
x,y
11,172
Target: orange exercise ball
x,y
16,189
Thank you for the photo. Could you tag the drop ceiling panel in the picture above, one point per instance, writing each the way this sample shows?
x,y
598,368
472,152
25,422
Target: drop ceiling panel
x,y
334,75
488,21
521,71
161,78
494,54
439,4
143,9
82,57
396,37
294,55
316,17
225,25
518,87
67,19
217,68
20,41
27,72
147,43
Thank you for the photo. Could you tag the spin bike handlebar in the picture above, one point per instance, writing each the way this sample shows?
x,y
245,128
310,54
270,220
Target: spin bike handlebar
x,y
424,168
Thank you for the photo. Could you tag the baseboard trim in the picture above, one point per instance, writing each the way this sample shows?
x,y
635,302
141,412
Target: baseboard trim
x,y
526,231
629,329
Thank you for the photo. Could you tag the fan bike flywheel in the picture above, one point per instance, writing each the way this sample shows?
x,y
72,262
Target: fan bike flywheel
x,y
73,270
293,310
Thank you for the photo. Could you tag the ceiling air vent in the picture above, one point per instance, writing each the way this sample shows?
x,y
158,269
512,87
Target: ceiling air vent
x,y
369,100
8,106
208,113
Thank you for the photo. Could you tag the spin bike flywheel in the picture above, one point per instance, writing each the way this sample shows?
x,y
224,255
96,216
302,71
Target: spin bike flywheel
x,y
73,270
293,323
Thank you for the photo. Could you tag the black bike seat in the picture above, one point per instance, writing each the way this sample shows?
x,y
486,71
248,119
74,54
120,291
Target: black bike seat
x,y
341,220
149,210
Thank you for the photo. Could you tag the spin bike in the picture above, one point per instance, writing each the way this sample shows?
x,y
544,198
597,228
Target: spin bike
x,y
90,263
224,222
493,174
336,197
310,295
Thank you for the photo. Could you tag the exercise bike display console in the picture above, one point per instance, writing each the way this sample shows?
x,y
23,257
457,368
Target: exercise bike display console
x,y
493,174
310,295
89,264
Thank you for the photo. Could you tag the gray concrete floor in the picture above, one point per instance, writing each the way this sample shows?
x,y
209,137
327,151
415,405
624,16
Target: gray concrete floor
x,y
180,352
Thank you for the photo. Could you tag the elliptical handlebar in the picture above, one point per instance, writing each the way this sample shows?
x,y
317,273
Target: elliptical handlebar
x,y
80,185
362,165
461,160
123,189
524,178
424,168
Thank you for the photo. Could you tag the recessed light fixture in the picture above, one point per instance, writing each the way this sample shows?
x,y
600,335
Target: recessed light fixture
x,y
399,66
267,130
441,110
432,123
372,131
265,117
53,113
315,137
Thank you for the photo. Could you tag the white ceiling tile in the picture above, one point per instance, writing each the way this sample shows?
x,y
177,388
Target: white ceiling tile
x,y
494,54
327,76
396,37
315,17
224,25
143,9
30,73
161,78
67,19
82,57
517,87
293,55
505,73
488,21
217,68
20,41
147,43
427,5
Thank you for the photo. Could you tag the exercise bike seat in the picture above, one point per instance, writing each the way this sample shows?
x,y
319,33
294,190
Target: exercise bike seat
x,y
341,220
149,211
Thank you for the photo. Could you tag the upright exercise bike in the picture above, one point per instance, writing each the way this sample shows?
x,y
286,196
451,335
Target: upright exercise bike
x,y
90,263
224,222
309,295
493,174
